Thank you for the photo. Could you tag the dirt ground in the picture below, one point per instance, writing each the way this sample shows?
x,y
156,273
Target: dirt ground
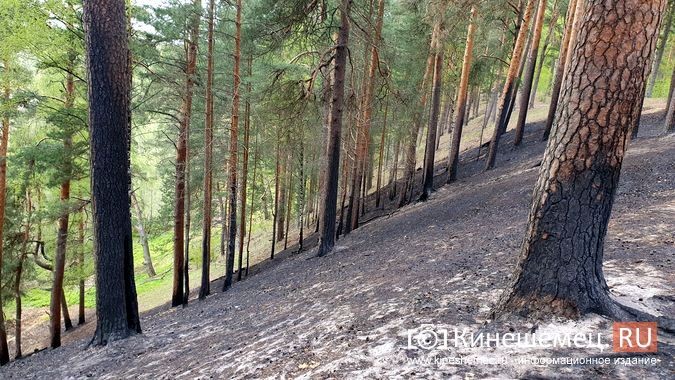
x,y
444,262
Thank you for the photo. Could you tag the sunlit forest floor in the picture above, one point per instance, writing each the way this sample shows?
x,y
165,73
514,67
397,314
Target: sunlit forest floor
x,y
443,262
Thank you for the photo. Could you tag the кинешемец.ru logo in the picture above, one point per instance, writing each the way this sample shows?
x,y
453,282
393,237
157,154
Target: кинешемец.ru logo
x,y
634,337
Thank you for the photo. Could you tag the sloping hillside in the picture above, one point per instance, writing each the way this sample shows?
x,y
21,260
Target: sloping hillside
x,y
443,262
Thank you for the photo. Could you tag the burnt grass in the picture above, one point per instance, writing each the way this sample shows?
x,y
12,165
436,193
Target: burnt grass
x,y
443,262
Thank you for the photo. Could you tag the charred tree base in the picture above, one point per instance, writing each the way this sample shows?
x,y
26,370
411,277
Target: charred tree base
x,y
534,306
105,335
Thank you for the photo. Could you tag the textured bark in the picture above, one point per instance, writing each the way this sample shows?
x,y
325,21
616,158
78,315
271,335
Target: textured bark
x,y
529,73
178,296
660,49
205,288
560,267
244,171
453,156
62,232
509,86
143,237
568,38
329,203
672,90
234,131
109,77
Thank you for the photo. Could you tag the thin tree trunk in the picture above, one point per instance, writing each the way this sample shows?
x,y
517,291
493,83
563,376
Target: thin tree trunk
x,y
276,200
234,130
223,221
289,202
565,48
140,226
453,157
109,78
205,288
380,163
329,204
4,140
582,164
542,57
181,160
393,175
281,218
188,223
301,190
411,148
660,49
529,73
80,262
509,86
430,157
19,269
62,233
363,134
250,217
244,171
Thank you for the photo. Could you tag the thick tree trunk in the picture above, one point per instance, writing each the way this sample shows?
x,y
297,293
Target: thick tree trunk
x,y
109,77
580,172
568,38
143,237
660,49
453,157
181,160
234,131
329,203
62,232
508,92
529,73
205,288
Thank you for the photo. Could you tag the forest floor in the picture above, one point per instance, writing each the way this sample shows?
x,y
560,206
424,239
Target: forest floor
x,y
443,262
